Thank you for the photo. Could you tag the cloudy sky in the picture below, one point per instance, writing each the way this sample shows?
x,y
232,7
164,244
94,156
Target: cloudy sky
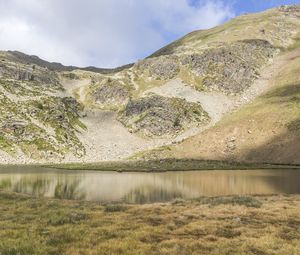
x,y
108,33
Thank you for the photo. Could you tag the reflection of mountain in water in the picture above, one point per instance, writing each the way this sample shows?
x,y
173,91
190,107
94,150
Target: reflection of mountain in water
x,y
40,186
150,194
283,183
69,190
37,187
148,187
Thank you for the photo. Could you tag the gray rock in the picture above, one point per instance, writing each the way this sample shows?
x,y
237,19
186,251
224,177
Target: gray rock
x,y
166,67
112,93
230,68
160,116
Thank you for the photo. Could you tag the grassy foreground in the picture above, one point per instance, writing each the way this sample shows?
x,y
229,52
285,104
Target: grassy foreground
x,y
224,225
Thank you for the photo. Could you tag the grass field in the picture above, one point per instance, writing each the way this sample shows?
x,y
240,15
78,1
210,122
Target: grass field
x,y
225,225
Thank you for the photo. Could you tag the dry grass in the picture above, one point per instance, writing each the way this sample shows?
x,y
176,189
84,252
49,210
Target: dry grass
x,y
272,25
230,225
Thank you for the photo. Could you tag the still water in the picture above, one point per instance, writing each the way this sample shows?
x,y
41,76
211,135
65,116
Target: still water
x,y
146,187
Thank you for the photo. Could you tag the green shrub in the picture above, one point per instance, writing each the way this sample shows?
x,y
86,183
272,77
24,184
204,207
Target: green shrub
x,y
115,208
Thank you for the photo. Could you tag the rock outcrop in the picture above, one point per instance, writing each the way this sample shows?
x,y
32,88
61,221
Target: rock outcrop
x,y
111,94
163,68
160,116
230,68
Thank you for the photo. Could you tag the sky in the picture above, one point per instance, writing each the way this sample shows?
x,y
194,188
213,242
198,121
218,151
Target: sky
x,y
110,33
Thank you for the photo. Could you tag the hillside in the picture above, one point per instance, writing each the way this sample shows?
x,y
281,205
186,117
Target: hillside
x,y
227,93
266,130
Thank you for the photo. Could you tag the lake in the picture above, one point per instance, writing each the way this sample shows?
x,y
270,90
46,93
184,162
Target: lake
x,y
146,187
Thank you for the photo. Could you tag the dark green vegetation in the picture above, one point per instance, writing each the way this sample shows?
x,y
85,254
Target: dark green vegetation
x,y
167,165
225,225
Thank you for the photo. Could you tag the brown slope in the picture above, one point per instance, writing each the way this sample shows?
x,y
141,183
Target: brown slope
x,y
266,130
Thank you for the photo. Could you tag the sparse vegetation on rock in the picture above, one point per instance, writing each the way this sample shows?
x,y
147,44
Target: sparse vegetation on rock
x,y
163,68
160,116
230,68
110,94
33,121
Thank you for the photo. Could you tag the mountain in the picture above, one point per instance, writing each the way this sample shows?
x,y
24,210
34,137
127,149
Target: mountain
x,y
230,93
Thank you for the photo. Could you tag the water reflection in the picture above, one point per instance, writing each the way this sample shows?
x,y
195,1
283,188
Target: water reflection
x,y
151,194
146,187
69,190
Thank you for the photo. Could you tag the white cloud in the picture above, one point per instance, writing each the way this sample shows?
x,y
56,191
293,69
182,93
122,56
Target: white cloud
x,y
101,32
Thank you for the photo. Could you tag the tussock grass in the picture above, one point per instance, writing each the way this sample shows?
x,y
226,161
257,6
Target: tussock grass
x,y
115,208
236,200
224,225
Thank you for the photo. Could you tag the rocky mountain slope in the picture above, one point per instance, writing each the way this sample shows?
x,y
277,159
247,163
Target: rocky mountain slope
x,y
267,130
227,93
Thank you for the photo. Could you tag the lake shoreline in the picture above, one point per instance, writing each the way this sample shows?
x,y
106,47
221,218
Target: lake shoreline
x,y
168,165
165,165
